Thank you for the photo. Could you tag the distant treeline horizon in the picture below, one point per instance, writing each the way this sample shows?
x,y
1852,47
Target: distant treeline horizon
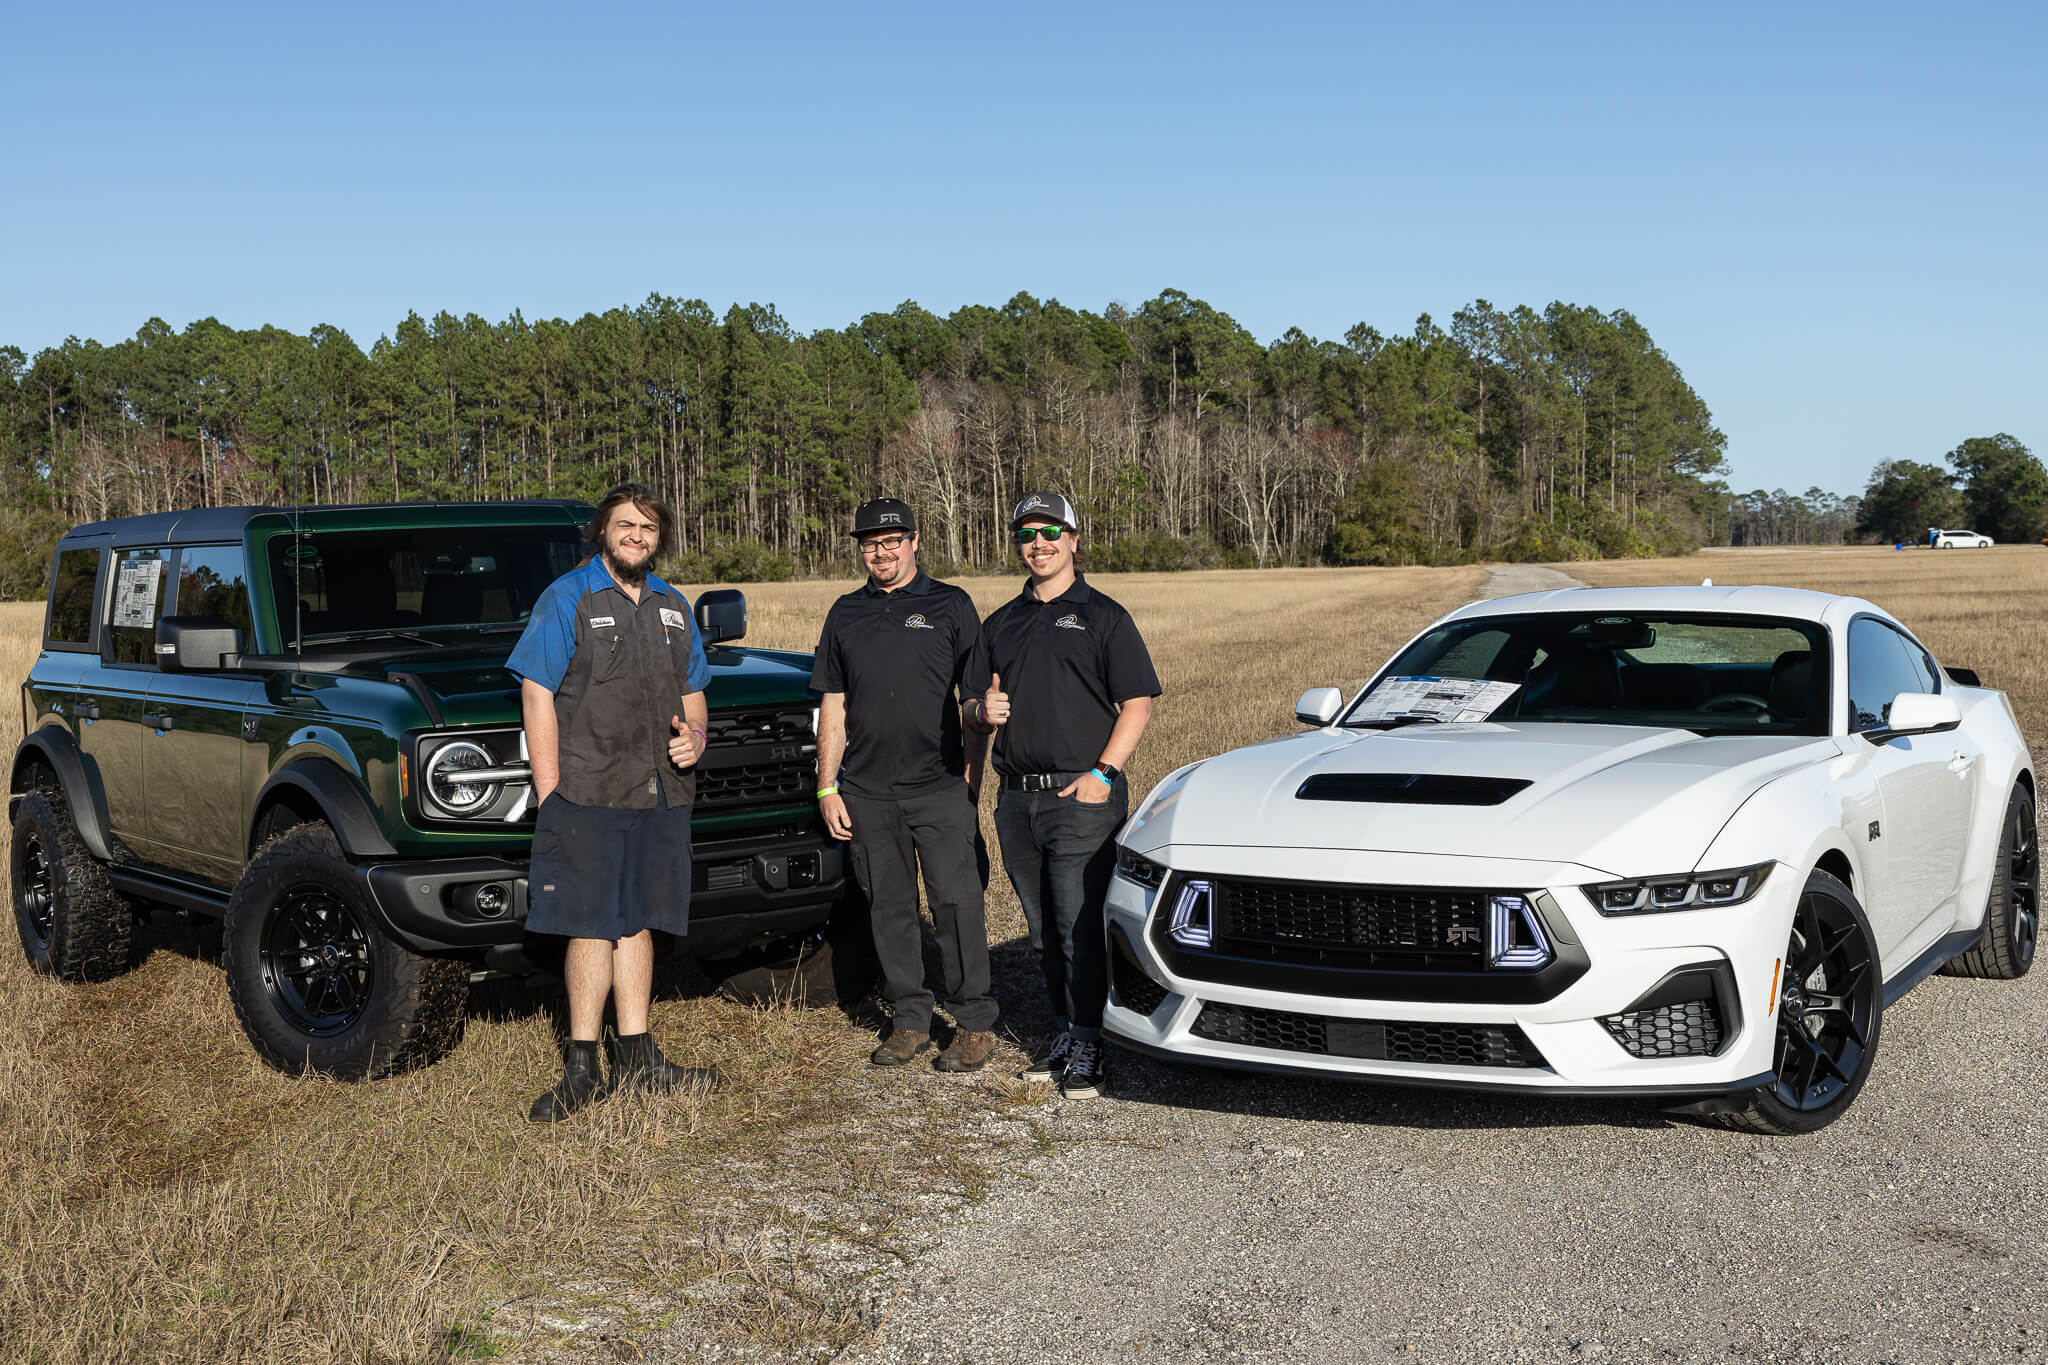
x,y
1513,434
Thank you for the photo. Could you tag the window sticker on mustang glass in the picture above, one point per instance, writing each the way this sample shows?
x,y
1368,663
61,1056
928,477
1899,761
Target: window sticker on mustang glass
x,y
1449,699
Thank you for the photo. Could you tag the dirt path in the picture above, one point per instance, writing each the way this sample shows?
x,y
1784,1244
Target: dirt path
x,y
1506,580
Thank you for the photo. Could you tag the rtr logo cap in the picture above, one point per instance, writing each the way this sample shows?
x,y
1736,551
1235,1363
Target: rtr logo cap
x,y
883,514
1049,506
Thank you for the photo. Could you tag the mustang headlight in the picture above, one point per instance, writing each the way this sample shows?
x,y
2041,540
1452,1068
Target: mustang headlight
x,y
1136,867
1684,891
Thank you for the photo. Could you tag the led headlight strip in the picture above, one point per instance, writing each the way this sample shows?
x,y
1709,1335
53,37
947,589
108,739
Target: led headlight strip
x,y
1681,891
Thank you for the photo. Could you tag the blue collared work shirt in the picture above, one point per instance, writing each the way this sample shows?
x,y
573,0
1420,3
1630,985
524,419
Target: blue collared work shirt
x,y
619,671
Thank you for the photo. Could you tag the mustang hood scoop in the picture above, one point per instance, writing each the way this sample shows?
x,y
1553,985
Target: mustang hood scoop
x,y
1413,789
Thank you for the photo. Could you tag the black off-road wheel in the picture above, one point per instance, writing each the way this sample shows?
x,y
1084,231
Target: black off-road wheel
x,y
1829,1010
2012,915
317,983
73,924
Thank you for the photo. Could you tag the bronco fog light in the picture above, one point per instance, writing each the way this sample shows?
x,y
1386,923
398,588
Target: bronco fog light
x,y
1194,923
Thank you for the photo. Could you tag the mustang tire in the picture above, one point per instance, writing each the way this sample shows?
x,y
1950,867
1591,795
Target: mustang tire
x,y
73,924
1829,1010
317,983
2012,916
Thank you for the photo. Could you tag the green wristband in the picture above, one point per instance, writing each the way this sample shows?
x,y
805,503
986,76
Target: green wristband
x,y
824,792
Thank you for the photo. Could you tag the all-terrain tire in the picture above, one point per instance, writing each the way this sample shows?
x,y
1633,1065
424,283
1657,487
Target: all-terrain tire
x,y
1767,1109
317,983
73,924
2012,913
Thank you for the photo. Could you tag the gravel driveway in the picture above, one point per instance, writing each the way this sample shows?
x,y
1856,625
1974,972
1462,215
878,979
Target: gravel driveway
x,y
1201,1216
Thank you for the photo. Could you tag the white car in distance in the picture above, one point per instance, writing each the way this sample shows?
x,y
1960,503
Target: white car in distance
x,y
1679,843
1961,540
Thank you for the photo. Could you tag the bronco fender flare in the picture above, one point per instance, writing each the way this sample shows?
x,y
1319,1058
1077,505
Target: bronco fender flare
x,y
340,798
54,748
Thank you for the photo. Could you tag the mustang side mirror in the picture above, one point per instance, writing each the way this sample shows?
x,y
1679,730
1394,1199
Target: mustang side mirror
x,y
1319,706
722,615
195,644
1917,713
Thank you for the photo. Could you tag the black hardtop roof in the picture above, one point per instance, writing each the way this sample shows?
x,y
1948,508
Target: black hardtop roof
x,y
199,524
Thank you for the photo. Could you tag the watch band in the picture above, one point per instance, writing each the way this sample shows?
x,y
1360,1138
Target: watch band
x,y
1110,774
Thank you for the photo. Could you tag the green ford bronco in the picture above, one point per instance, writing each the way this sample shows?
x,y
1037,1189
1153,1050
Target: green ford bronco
x,y
299,721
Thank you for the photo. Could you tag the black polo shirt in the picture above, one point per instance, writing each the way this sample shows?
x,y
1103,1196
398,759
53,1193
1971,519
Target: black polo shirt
x,y
898,657
1066,664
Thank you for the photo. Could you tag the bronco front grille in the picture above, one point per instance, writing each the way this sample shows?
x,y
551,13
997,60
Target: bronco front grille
x,y
1498,1045
1369,926
1690,1028
758,757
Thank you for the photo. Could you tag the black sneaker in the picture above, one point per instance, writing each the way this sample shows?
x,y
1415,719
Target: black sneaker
x,y
1052,1063
1086,1072
580,1084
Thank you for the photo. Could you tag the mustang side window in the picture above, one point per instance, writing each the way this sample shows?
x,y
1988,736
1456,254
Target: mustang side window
x,y
1880,667
139,583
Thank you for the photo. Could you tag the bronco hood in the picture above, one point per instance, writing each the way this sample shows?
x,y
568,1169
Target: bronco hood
x,y
1619,799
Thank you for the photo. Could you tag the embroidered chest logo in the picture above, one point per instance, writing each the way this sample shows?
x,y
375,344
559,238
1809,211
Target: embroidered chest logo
x,y
916,621
599,622
1070,622
671,617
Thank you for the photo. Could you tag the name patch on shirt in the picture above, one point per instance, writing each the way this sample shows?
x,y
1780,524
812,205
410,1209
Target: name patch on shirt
x,y
597,621
671,617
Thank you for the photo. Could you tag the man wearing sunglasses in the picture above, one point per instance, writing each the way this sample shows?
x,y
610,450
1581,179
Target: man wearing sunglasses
x,y
891,782
1063,680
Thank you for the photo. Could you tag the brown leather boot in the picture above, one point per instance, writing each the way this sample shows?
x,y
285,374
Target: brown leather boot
x,y
900,1046
969,1051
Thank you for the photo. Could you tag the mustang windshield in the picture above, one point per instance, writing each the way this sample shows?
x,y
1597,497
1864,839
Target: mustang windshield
x,y
1715,674
418,583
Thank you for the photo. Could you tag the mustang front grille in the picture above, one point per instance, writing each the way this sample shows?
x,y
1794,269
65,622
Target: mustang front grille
x,y
1435,927
1501,1045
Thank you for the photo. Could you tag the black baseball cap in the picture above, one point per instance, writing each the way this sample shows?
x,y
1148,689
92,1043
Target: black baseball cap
x,y
883,514
1046,506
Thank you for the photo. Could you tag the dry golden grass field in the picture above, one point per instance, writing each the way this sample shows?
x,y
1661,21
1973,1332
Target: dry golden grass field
x,y
170,1198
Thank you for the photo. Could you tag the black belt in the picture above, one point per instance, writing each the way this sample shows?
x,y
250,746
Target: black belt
x,y
1037,782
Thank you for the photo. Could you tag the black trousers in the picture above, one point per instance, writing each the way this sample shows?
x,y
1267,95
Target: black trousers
x,y
1060,853
891,840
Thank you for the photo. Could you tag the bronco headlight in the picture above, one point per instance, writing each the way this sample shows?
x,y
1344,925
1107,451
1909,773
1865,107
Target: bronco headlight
x,y
1136,867
1684,891
472,775
451,777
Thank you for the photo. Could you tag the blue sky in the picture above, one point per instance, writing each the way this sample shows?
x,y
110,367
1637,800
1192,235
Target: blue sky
x,y
1832,217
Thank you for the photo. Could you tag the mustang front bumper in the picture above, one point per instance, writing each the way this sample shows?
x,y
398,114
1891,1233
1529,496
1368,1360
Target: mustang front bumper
x,y
1675,1004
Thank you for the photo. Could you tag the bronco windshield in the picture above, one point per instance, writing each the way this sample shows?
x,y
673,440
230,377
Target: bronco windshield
x,y
416,581
1713,674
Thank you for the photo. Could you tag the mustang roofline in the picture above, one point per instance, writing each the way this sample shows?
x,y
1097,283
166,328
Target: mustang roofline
x,y
1800,604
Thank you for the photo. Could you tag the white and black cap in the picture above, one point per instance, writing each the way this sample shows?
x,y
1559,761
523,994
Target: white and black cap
x,y
883,514
1045,506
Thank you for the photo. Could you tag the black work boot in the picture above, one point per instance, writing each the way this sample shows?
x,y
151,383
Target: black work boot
x,y
580,1084
637,1064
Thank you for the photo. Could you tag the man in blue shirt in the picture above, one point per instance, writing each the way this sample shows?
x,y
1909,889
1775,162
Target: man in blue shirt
x,y
612,676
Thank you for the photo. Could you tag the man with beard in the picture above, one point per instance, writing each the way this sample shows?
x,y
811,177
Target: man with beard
x,y
612,675
891,781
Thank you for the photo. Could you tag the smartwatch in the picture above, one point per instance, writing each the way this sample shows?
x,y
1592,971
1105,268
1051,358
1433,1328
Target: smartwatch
x,y
1109,772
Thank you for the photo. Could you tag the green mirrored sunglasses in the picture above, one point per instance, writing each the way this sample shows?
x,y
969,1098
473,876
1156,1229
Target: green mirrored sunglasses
x,y
1024,534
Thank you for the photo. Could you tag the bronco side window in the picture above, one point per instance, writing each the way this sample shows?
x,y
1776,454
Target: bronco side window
x,y
138,602
213,580
71,597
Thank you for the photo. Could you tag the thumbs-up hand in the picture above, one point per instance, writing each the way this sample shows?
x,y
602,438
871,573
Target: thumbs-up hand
x,y
995,703
684,744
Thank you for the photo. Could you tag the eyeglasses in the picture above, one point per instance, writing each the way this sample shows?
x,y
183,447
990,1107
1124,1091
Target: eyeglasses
x,y
1024,534
881,543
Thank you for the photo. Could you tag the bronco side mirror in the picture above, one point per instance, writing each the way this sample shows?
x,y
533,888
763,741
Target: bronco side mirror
x,y
195,644
722,615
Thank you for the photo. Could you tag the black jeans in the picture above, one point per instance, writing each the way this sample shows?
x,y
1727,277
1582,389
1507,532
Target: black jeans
x,y
891,840
1060,853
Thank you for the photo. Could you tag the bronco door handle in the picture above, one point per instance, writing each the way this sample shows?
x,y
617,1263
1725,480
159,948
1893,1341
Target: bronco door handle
x,y
157,722
86,710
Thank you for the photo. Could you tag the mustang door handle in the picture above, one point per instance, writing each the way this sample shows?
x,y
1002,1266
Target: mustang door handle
x,y
1961,763
157,722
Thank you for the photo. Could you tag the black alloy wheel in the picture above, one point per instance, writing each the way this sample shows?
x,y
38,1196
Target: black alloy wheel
x,y
2012,909
38,887
316,961
1827,1005
1828,1013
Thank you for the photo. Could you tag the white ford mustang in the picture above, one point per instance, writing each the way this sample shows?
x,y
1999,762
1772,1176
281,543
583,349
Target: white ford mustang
x,y
1675,842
